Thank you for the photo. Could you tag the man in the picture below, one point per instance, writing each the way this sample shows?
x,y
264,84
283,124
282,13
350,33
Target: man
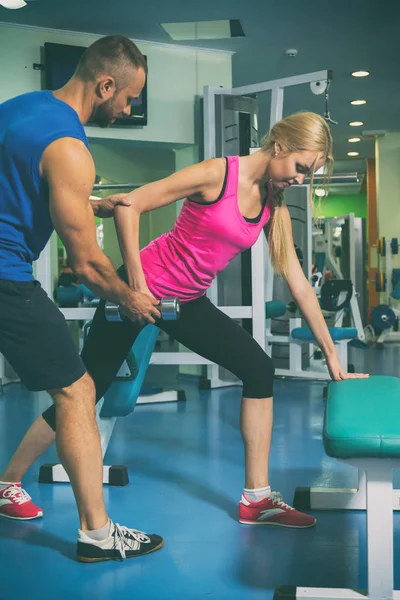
x,y
46,177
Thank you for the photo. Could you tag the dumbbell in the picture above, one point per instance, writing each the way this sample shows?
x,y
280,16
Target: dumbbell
x,y
168,307
381,246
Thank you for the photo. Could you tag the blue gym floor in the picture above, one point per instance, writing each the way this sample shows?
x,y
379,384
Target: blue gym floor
x,y
185,463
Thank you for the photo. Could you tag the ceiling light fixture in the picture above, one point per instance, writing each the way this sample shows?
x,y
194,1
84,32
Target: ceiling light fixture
x,y
360,73
358,102
354,139
13,4
353,154
356,123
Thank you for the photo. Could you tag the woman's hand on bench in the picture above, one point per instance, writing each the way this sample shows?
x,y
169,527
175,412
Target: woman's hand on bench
x,y
337,373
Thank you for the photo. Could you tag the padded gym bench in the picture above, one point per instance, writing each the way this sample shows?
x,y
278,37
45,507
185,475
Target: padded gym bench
x,y
361,429
120,401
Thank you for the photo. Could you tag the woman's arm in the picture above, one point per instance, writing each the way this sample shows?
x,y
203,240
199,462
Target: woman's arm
x,y
308,304
201,183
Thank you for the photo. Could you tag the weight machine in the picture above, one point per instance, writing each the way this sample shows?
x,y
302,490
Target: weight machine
x,y
353,268
385,317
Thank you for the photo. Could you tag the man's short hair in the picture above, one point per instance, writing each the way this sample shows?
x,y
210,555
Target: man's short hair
x,y
114,55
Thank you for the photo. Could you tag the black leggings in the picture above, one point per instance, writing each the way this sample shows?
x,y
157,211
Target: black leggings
x,y
202,328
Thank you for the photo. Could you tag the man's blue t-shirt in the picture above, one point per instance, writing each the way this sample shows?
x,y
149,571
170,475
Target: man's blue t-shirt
x,y
28,124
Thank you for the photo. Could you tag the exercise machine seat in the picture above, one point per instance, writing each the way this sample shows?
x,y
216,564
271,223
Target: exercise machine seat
x,y
68,296
338,334
274,308
362,418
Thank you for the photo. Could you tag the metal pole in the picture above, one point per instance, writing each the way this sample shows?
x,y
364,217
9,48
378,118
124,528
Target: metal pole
x,y
267,86
352,244
209,93
210,151
345,178
329,251
276,106
389,271
262,289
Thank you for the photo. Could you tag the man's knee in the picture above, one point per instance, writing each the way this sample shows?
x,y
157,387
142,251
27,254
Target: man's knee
x,y
82,390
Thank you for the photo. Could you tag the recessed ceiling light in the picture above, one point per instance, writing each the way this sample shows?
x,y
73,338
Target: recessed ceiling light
x,y
13,4
354,139
361,73
353,154
356,123
291,52
358,102
320,192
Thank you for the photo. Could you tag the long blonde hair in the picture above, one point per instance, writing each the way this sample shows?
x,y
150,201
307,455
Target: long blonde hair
x,y
305,131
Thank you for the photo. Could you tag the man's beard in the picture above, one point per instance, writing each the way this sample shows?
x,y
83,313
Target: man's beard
x,y
104,115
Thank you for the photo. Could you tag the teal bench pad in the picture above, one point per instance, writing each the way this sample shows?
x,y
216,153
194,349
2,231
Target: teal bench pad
x,y
337,333
274,308
362,418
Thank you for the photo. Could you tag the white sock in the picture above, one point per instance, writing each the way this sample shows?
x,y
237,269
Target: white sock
x,y
4,484
99,534
256,495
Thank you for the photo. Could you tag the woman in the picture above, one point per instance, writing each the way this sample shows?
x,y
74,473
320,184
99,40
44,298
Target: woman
x,y
229,203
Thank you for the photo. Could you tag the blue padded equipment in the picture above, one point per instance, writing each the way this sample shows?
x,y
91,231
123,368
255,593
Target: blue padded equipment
x,y
396,284
87,294
337,333
362,418
274,308
68,295
120,399
319,261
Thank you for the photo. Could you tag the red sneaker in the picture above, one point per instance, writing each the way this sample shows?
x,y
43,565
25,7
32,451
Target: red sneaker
x,y
15,503
272,511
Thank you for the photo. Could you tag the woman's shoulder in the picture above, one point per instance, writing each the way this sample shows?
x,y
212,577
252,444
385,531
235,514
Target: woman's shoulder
x,y
212,173
214,168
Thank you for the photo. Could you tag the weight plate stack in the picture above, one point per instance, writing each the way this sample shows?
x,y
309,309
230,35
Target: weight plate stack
x,y
380,281
383,317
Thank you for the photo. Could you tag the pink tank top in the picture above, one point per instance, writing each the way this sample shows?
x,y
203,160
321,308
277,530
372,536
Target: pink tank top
x,y
204,239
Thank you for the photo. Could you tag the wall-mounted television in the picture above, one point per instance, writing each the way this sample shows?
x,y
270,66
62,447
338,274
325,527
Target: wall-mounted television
x,y
60,62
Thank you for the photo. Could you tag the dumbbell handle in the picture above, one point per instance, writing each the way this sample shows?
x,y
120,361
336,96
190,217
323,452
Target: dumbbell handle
x,y
168,307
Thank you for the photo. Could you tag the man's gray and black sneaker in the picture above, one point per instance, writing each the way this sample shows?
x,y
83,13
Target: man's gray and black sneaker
x,y
121,543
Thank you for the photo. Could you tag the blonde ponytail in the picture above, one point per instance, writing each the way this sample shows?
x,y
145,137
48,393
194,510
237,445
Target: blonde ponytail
x,y
304,131
277,238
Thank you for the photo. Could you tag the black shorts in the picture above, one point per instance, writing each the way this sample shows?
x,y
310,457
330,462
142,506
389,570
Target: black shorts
x,y
35,339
